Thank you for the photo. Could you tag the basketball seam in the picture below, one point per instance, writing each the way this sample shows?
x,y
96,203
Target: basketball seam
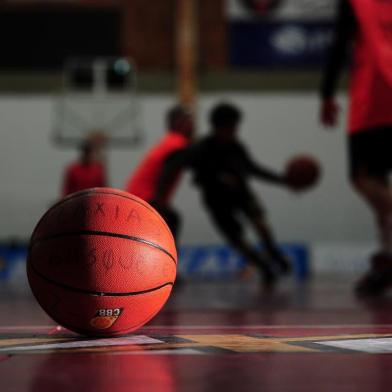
x,y
88,192
97,293
103,234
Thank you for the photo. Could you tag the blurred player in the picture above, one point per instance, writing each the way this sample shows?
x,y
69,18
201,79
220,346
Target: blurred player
x,y
222,167
143,181
361,24
87,172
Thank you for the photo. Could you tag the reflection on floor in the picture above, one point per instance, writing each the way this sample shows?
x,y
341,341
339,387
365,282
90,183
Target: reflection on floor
x,y
210,337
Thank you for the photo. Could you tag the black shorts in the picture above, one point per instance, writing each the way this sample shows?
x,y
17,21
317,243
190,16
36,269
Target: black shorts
x,y
225,211
370,152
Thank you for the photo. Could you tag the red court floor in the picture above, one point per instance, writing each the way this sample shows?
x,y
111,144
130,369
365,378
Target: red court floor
x,y
211,337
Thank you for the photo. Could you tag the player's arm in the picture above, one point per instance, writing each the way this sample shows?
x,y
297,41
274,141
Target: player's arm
x,y
260,171
103,176
344,29
172,164
266,174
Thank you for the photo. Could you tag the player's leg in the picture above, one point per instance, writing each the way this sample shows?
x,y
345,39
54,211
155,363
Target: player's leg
x,y
370,165
171,217
224,219
267,237
256,214
256,258
378,195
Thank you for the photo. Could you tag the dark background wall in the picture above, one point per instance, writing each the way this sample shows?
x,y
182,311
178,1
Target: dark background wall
x,y
41,34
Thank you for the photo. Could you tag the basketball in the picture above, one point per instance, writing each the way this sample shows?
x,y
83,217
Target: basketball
x,y
303,171
101,262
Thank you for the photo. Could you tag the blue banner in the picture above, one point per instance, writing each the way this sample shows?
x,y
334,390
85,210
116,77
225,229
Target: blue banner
x,y
278,45
12,262
222,262
206,262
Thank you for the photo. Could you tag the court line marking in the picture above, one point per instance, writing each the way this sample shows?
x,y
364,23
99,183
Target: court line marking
x,y
380,345
206,327
80,344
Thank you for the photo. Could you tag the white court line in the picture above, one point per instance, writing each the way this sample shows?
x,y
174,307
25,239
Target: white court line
x,y
371,346
131,340
207,327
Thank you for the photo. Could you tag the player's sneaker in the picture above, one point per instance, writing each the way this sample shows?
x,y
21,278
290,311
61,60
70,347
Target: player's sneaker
x,y
268,279
247,273
283,264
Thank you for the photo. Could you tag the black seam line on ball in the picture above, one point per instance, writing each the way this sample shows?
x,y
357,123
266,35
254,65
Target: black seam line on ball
x,y
99,192
98,293
103,234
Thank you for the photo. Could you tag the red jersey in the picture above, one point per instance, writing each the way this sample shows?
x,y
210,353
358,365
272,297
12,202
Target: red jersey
x,y
371,80
143,180
79,176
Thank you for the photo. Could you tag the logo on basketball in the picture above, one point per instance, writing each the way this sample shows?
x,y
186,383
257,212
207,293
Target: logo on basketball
x,y
105,318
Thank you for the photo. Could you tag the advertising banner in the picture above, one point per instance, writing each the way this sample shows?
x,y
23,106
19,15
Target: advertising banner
x,y
279,33
278,45
282,10
202,262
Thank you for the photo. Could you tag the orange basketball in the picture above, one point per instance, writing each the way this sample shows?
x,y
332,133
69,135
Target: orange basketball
x,y
101,262
303,171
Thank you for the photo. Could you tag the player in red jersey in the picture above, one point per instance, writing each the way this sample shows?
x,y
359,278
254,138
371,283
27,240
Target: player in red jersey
x,y
143,180
86,173
363,24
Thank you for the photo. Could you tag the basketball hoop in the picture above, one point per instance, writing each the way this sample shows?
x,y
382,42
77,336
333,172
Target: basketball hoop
x,y
99,96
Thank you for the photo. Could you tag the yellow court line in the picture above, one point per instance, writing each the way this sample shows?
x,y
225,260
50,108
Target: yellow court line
x,y
234,342
245,344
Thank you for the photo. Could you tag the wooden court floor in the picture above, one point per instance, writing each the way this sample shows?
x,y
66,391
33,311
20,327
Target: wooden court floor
x,y
314,336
